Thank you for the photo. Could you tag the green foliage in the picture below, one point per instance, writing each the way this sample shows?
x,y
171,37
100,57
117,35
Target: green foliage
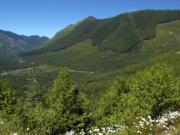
x,y
108,101
71,107
7,98
156,86
150,92
64,108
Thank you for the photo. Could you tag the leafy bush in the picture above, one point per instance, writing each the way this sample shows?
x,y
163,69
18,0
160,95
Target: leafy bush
x,y
64,109
70,106
7,98
150,92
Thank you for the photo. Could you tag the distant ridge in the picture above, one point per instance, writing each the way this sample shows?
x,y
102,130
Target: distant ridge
x,y
13,43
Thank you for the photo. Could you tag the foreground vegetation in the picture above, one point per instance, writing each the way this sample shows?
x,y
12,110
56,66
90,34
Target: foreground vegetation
x,y
63,109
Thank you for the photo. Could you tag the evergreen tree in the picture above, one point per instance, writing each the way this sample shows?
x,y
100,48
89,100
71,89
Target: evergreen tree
x,y
70,106
7,98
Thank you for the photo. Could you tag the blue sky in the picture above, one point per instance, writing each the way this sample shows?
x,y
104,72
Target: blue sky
x,y
46,17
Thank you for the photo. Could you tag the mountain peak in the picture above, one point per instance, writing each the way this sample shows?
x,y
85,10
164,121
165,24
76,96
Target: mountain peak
x,y
90,18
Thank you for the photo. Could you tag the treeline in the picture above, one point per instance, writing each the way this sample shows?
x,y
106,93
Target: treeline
x,y
64,107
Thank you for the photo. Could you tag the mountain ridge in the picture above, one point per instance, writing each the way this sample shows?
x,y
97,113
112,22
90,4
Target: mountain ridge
x,y
122,33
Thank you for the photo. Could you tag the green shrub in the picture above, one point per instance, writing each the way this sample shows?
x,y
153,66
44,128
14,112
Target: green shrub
x,y
70,106
65,109
7,99
149,92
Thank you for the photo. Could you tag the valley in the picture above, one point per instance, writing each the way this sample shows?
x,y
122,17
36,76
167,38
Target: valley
x,y
118,74
103,66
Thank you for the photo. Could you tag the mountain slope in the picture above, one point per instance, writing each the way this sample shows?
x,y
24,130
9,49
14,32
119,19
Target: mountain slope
x,y
14,43
85,56
123,33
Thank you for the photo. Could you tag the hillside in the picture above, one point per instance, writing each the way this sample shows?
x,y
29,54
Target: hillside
x,y
155,31
123,33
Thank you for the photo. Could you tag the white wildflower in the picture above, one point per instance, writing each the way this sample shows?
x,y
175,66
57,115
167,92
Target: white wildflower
x,y
15,133
72,132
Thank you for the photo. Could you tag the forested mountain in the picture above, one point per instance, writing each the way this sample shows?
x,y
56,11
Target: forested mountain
x,y
122,33
103,46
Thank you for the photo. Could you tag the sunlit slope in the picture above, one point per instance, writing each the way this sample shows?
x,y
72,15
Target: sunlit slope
x,y
123,33
167,38
86,56
165,47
